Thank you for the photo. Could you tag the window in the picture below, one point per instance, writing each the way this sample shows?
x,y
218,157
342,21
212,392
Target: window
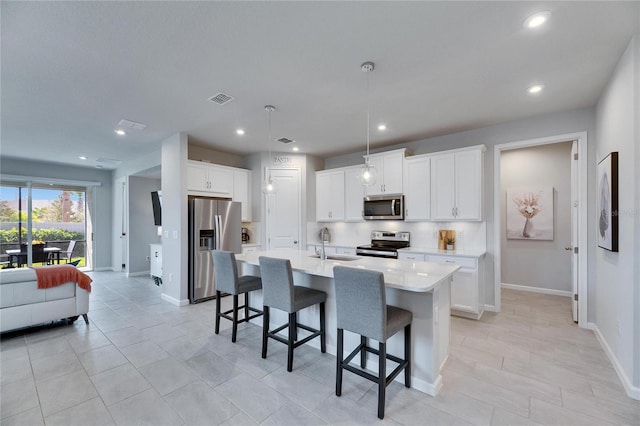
x,y
56,218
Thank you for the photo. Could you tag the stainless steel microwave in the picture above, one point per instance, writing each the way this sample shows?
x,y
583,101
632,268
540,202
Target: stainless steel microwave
x,y
384,207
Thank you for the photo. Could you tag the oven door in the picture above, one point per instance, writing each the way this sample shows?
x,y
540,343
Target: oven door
x,y
390,254
384,207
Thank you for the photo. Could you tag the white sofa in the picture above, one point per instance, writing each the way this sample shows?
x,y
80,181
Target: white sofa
x,y
23,304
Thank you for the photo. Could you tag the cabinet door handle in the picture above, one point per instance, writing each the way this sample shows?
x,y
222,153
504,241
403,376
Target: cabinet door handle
x,y
453,211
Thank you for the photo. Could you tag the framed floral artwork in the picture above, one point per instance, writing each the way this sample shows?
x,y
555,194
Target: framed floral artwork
x,y
530,213
607,202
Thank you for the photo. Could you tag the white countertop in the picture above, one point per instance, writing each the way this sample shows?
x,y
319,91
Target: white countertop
x,y
409,276
460,253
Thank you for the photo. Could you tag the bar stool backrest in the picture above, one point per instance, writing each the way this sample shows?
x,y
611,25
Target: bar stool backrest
x,y
361,302
225,270
277,283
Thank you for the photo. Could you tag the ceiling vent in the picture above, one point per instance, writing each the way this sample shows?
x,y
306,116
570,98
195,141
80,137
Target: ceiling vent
x,y
128,124
109,161
221,98
285,140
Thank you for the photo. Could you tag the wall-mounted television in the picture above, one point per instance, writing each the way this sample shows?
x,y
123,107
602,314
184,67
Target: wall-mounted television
x,y
156,201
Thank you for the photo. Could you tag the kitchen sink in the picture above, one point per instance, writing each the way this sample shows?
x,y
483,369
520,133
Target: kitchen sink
x,y
344,257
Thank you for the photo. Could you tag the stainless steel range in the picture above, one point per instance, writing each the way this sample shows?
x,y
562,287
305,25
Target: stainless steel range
x,y
384,244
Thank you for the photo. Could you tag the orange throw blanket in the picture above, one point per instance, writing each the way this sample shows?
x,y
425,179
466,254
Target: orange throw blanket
x,y
55,275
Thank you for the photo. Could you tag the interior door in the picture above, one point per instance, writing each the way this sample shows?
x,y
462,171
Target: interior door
x,y
283,210
574,230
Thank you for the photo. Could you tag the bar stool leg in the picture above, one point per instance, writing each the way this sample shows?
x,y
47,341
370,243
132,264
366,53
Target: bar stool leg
x,y
339,358
292,332
407,355
382,379
246,305
217,330
295,326
265,330
323,337
363,352
234,329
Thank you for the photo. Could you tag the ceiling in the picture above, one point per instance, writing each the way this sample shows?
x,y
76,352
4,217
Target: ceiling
x,y
72,70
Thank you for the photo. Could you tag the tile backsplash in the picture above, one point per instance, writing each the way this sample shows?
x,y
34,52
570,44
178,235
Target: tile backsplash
x,y
469,235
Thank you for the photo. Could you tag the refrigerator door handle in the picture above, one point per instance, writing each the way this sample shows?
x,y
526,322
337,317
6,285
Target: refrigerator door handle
x,y
218,224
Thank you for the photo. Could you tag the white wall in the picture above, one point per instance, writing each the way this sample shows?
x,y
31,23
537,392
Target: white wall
x,y
142,230
537,263
175,267
102,220
617,286
557,123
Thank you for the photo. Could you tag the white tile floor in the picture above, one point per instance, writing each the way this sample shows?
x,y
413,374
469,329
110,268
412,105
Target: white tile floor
x,y
144,361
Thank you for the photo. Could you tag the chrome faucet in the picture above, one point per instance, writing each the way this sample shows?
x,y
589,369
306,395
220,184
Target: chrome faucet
x,y
323,255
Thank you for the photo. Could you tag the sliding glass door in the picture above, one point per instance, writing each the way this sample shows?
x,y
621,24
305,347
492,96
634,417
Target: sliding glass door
x,y
42,224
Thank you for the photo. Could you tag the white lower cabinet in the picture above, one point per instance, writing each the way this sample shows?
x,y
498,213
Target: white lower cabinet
x,y
412,257
250,249
467,286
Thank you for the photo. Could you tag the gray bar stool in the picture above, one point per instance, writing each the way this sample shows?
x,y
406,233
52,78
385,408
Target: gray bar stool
x,y
362,308
280,293
225,271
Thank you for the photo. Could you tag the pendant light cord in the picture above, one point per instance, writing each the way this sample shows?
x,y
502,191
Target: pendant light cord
x,y
270,109
368,115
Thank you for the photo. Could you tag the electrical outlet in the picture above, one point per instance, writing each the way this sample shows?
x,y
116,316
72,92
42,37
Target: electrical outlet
x,y
460,234
619,328
170,277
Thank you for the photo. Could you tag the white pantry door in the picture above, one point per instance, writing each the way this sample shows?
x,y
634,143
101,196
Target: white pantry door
x,y
283,210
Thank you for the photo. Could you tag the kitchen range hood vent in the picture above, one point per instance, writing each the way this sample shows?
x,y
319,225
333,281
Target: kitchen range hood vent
x,y
221,98
285,140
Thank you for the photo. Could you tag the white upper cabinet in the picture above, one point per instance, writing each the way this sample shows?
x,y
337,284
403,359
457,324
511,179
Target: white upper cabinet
x,y
456,184
209,179
389,166
242,191
330,190
213,180
354,195
417,173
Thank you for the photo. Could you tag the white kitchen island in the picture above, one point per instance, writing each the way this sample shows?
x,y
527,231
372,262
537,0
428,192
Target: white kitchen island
x,y
420,287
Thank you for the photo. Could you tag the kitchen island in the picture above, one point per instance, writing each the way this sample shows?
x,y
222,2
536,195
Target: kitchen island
x,y
420,287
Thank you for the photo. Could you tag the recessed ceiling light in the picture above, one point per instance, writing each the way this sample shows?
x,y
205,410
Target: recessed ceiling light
x,y
120,132
537,19
82,157
98,166
240,132
382,127
295,148
535,89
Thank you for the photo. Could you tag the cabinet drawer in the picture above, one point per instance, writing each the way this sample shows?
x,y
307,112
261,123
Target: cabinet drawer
x,y
411,256
346,250
465,262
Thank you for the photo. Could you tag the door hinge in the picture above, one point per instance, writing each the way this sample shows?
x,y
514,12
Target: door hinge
x,y
575,250
575,156
575,297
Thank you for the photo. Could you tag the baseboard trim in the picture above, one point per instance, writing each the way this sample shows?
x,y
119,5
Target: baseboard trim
x,y
102,269
536,289
137,274
632,391
174,301
490,308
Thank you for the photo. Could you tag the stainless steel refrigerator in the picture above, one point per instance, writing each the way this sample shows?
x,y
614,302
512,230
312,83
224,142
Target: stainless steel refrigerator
x,y
213,224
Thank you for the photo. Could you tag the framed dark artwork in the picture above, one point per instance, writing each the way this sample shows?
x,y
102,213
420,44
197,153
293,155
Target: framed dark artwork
x,y
607,201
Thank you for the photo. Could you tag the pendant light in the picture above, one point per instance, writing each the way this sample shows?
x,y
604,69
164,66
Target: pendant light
x,y
269,186
368,173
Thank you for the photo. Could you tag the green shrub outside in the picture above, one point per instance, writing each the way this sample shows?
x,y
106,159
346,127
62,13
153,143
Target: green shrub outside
x,y
11,235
